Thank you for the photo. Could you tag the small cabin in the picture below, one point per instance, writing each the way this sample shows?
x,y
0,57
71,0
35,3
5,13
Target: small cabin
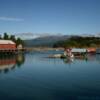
x,y
20,47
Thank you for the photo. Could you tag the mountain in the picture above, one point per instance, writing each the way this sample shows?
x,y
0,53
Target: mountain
x,y
30,36
27,36
45,40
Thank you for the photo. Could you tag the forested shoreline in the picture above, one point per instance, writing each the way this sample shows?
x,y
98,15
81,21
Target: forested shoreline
x,y
79,42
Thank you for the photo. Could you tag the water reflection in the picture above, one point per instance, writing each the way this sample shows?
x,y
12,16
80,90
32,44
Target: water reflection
x,y
10,62
20,59
43,57
40,77
87,58
69,60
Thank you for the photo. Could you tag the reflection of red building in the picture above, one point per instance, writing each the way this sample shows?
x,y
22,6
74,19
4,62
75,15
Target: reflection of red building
x,y
7,45
7,63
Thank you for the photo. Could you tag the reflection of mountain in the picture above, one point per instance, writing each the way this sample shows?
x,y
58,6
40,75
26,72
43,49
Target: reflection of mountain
x,y
11,62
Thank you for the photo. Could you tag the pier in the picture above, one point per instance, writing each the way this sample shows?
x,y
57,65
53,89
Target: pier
x,y
9,47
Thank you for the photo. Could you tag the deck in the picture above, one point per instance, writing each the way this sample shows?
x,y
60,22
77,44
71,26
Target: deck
x,y
10,51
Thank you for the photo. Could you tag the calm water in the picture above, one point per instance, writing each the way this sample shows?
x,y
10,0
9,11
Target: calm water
x,y
32,76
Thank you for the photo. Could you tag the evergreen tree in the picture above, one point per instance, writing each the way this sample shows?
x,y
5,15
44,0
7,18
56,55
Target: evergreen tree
x,y
12,37
6,37
0,37
19,41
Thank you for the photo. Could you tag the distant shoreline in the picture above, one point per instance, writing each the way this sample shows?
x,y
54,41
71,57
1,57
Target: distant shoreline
x,y
42,48
51,48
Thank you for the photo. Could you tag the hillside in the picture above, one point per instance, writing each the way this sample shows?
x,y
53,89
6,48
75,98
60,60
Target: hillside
x,y
48,41
80,42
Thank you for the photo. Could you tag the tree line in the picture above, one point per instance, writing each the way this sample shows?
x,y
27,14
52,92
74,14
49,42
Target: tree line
x,y
80,42
13,38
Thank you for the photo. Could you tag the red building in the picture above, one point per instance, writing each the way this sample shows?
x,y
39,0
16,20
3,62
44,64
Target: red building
x,y
91,50
7,45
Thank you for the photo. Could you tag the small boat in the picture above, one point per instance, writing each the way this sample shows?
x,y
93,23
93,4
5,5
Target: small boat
x,y
55,56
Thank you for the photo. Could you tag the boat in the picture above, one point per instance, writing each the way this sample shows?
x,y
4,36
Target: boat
x,y
55,56
60,56
66,54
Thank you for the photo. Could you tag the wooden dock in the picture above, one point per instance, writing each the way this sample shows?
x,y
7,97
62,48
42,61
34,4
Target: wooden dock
x,y
10,51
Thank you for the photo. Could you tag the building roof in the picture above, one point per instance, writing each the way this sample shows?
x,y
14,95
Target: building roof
x,y
6,42
78,50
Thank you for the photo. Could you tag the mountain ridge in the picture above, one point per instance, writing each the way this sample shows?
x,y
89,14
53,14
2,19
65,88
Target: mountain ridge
x,y
45,41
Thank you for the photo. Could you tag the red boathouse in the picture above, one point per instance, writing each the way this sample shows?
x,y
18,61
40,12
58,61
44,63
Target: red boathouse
x,y
7,45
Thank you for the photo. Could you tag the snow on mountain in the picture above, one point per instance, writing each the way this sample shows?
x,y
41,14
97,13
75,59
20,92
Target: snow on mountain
x,y
27,36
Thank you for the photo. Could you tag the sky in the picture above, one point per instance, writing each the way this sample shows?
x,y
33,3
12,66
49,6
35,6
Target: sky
x,y
50,16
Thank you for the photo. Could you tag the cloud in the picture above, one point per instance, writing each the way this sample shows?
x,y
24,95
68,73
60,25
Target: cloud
x,y
11,19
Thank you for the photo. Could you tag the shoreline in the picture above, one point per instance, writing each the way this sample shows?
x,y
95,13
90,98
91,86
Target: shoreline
x,y
42,49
